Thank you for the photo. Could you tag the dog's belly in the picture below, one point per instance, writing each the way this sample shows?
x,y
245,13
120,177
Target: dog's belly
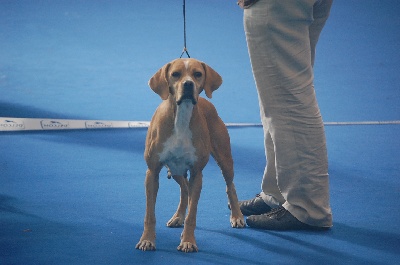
x,y
179,153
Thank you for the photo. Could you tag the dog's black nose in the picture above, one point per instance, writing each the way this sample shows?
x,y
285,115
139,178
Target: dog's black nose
x,y
188,85
187,93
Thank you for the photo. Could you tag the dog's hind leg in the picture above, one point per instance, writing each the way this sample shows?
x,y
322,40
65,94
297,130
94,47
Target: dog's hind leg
x,y
188,241
178,218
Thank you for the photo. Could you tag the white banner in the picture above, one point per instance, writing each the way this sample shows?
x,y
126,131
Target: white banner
x,y
30,124
27,124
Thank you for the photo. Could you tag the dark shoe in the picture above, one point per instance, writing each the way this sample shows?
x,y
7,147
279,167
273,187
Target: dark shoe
x,y
279,219
254,206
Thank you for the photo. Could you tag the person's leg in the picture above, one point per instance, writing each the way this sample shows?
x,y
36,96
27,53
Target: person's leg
x,y
270,191
277,33
321,11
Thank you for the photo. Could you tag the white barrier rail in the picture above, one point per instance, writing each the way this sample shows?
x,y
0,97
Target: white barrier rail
x,y
28,124
35,124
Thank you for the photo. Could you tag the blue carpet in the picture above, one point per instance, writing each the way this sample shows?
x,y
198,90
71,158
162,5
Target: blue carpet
x,y
77,197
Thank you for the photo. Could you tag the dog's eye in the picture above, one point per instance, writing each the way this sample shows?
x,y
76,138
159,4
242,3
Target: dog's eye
x,y
176,74
198,74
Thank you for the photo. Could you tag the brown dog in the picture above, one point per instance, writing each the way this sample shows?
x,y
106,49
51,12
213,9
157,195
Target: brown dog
x,y
183,132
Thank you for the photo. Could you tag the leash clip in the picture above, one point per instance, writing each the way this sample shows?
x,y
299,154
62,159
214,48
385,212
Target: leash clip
x,y
184,51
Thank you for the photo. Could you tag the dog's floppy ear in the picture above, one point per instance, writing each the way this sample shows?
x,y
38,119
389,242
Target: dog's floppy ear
x,y
212,81
159,82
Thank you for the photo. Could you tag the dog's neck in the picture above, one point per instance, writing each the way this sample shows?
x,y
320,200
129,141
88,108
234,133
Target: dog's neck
x,y
183,116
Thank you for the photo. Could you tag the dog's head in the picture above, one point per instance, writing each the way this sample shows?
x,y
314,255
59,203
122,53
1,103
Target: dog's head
x,y
184,79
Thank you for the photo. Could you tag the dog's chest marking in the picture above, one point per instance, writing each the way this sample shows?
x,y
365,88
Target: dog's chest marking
x,y
178,153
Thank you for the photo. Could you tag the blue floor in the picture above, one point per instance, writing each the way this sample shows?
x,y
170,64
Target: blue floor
x,y
77,197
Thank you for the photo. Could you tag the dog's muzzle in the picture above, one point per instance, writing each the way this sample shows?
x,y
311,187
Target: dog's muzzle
x,y
188,93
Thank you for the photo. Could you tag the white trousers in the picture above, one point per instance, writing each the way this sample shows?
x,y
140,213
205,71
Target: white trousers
x,y
281,37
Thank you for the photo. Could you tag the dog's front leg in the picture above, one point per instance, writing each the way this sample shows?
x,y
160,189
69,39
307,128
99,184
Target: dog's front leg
x,y
221,151
178,218
237,220
147,241
188,241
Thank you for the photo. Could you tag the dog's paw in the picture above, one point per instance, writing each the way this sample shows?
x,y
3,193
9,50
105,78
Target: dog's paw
x,y
146,245
176,221
187,247
238,222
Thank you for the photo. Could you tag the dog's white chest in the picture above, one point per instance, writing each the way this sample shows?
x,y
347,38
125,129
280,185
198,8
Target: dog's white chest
x,y
179,153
